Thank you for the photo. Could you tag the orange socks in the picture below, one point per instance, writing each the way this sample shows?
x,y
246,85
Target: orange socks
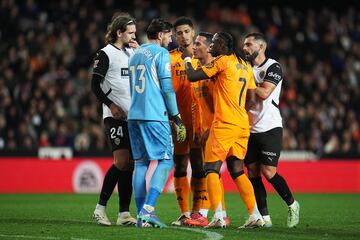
x,y
200,195
182,190
223,196
215,191
246,190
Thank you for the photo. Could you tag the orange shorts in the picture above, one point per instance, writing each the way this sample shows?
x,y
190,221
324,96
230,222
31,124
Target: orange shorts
x,y
184,147
226,140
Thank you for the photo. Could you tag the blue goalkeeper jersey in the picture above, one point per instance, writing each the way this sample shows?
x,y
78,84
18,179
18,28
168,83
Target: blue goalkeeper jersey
x,y
152,93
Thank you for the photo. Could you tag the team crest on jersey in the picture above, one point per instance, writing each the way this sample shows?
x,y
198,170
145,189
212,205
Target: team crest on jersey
x,y
117,141
262,74
168,67
210,65
95,63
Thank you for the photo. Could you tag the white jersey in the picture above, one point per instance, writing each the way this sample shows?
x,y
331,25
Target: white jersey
x,y
265,115
116,84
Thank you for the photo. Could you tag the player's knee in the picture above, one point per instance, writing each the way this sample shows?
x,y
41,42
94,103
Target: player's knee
x,y
123,162
199,173
212,167
180,166
122,166
197,168
268,172
235,167
253,170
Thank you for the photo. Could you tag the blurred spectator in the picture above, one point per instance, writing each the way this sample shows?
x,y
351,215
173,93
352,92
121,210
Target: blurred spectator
x,y
48,46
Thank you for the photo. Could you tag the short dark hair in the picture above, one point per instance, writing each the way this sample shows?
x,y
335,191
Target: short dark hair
x,y
156,26
207,35
257,36
119,21
183,21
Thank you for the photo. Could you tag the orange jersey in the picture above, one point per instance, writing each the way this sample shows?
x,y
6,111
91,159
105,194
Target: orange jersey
x,y
182,87
203,91
232,80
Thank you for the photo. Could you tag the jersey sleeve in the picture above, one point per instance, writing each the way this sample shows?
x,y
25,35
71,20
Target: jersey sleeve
x,y
212,68
101,64
164,74
274,74
163,65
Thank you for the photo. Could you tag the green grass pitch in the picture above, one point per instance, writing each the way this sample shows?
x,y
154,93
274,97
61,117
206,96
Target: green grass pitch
x,y
68,216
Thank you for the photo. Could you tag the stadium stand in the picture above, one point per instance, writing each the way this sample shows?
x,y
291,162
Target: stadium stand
x,y
47,49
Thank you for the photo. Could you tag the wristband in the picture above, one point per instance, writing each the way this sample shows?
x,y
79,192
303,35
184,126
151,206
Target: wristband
x,y
187,60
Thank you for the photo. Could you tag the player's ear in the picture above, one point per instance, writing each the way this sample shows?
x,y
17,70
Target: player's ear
x,y
118,33
263,46
160,36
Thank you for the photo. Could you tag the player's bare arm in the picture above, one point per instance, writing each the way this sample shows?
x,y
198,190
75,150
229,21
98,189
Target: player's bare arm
x,y
264,90
192,74
117,112
250,99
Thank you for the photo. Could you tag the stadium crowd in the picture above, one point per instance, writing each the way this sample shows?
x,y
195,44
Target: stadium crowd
x,y
47,48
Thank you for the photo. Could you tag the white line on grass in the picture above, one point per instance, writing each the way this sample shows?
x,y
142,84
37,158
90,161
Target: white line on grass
x,y
209,234
39,237
29,237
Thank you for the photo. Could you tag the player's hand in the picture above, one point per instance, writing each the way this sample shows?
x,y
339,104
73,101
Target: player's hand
x,y
117,112
133,43
186,53
179,128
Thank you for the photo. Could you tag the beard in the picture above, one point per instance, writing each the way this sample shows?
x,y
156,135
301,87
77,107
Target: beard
x,y
252,56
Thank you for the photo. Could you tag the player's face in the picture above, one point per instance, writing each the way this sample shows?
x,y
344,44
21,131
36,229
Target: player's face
x,y
165,38
129,35
184,35
217,46
201,48
251,48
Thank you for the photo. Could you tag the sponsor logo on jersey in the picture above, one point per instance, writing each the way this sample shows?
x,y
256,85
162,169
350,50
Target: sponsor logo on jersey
x,y
180,72
124,72
274,75
268,153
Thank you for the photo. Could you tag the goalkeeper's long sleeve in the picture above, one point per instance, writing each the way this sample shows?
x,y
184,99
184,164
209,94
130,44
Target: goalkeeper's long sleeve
x,y
169,96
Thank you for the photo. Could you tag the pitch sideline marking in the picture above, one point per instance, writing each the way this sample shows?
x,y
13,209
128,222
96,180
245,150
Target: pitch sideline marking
x,y
209,234
28,237
39,237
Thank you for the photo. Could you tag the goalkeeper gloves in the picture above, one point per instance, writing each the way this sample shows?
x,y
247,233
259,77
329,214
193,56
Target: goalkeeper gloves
x,y
179,128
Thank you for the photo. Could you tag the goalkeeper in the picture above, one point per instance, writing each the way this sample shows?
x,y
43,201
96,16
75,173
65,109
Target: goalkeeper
x,y
153,100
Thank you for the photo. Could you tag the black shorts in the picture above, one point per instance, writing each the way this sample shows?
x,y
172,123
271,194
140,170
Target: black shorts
x,y
264,147
117,134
